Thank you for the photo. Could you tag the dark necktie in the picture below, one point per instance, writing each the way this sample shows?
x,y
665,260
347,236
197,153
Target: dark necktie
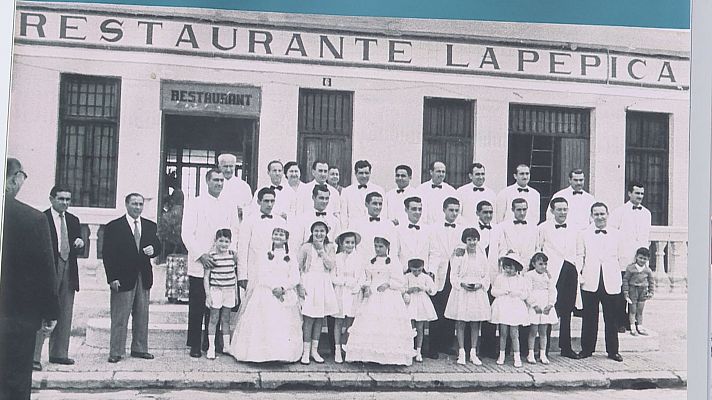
x,y
414,226
399,191
483,226
63,239
603,231
434,186
577,192
263,216
137,235
523,190
278,187
478,189
321,213
557,226
448,225
520,222
371,219
362,187
637,207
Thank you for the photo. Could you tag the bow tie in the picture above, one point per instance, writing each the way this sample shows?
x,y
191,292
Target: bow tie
x,y
278,187
414,226
520,222
603,231
523,190
371,219
399,191
362,186
557,226
434,186
321,213
263,216
637,207
483,226
478,189
578,192
448,225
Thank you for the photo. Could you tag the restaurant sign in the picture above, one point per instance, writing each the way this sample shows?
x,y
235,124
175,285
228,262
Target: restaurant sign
x,y
209,98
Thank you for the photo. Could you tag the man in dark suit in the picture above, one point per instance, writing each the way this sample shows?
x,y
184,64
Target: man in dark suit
x,y
129,244
65,232
28,296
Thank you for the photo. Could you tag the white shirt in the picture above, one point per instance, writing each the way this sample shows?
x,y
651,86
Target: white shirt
x,y
511,192
129,219
300,226
486,238
520,238
283,201
305,203
256,237
469,198
412,243
443,241
58,227
353,202
237,193
433,200
599,254
393,206
635,229
579,215
201,220
559,244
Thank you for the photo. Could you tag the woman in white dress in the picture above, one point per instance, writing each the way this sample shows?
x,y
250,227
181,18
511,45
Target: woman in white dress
x,y
382,332
316,260
343,276
541,305
269,324
468,301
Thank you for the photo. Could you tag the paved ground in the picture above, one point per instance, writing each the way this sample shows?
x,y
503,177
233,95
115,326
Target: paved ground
x,y
175,370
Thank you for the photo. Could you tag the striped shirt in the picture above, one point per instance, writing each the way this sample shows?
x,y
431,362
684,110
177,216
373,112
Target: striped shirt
x,y
223,273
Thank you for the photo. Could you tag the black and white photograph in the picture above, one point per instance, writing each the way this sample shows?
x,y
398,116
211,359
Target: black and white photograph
x,y
205,201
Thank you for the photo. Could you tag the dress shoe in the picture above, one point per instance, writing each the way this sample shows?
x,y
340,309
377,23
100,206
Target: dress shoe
x,y
114,359
61,360
621,329
140,354
583,355
615,357
570,354
36,366
195,352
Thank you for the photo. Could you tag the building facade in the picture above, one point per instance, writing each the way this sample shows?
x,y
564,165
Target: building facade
x,y
116,99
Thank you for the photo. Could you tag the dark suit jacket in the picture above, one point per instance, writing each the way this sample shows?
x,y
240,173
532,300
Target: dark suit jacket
x,y
122,261
74,231
28,289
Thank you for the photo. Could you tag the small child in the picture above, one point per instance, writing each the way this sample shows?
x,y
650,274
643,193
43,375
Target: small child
x,y
638,286
509,309
343,276
541,305
419,286
220,284
468,301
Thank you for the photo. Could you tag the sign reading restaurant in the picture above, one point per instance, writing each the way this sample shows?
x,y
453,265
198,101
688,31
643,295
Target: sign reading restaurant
x,y
202,37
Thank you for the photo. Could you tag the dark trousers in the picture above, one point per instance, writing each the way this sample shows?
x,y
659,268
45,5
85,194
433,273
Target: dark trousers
x,y
199,316
622,313
489,343
565,304
442,331
589,330
17,345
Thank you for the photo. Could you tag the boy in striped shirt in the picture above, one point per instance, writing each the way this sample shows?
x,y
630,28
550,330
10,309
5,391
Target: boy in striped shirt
x,y
220,288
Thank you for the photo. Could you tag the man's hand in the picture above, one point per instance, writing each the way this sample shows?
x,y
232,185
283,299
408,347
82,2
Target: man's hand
x,y
48,325
301,292
242,283
114,285
278,293
208,300
537,309
547,309
78,243
207,261
383,287
148,250
628,300
366,291
413,289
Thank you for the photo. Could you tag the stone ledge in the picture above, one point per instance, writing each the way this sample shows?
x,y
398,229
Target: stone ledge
x,y
293,380
350,380
570,379
643,379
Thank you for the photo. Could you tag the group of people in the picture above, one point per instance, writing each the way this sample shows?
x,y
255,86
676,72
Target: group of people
x,y
383,267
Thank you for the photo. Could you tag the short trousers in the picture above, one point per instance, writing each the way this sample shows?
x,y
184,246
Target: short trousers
x,y
222,296
638,293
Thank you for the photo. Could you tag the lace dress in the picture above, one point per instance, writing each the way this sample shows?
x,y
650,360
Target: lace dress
x,y
382,331
465,305
542,294
269,329
420,307
510,308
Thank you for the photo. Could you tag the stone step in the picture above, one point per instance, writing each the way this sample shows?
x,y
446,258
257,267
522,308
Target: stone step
x,y
160,335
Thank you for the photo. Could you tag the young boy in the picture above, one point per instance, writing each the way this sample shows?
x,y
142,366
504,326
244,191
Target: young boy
x,y
638,286
220,287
